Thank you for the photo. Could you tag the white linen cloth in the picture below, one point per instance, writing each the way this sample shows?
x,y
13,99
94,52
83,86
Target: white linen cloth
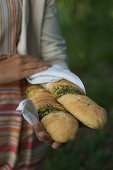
x,y
52,74
28,110
55,73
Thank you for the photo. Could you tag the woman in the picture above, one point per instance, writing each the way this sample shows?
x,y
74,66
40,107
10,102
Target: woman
x,y
28,28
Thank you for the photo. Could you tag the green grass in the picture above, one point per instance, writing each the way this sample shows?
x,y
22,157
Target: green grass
x,y
88,30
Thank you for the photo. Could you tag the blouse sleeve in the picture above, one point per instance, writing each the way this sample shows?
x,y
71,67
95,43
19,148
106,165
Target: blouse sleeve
x,y
53,46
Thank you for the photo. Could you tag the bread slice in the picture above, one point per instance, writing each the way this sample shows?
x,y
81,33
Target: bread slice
x,y
60,125
78,104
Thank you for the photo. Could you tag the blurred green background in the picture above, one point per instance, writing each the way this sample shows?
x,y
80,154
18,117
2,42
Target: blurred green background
x,y
87,26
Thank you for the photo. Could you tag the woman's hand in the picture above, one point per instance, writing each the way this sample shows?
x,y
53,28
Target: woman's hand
x,y
44,136
18,67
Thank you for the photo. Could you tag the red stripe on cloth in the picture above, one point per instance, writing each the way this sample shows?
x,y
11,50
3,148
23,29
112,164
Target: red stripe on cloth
x,y
3,57
7,166
7,148
30,165
8,107
31,145
8,114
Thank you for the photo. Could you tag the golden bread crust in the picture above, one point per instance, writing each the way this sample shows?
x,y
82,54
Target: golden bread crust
x,y
62,82
85,110
80,106
61,126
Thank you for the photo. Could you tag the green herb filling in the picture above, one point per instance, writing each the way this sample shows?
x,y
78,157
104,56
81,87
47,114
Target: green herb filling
x,y
60,90
45,110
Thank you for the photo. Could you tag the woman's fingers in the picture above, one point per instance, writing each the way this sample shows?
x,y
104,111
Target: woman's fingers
x,y
25,59
57,145
31,65
34,65
41,134
28,59
19,67
28,62
45,137
27,73
37,126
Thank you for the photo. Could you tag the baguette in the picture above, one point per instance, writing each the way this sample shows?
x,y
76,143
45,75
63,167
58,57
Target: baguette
x,y
60,125
77,103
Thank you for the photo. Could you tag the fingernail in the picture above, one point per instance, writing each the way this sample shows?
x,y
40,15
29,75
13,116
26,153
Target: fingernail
x,y
45,67
35,123
40,134
54,146
49,64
